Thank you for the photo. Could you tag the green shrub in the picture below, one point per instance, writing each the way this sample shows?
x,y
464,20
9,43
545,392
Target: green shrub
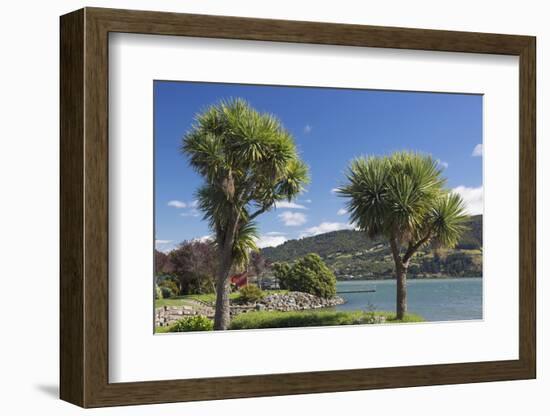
x,y
193,323
166,292
250,294
281,271
169,288
311,275
158,292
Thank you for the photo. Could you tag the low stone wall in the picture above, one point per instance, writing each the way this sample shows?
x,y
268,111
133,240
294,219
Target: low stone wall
x,y
285,302
167,315
296,301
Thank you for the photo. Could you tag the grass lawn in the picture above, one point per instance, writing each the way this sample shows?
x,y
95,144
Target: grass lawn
x,y
297,319
272,319
179,301
162,329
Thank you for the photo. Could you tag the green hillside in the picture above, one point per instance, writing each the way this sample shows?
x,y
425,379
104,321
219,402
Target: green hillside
x,y
352,255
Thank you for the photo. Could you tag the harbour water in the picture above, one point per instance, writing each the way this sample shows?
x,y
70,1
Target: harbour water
x,y
442,299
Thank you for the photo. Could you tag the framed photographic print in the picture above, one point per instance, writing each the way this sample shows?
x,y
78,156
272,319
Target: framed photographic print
x,y
257,207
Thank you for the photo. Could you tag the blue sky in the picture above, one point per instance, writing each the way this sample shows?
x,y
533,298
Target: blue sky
x,y
331,127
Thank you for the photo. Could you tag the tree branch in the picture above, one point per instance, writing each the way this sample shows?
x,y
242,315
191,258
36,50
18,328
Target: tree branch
x,y
260,211
413,247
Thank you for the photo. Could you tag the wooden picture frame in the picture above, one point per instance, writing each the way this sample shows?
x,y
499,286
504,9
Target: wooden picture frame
x,y
84,207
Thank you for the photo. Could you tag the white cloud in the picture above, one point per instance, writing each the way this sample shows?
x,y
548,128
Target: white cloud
x,y
326,227
288,205
333,190
442,163
191,213
177,204
307,129
164,246
473,198
270,240
342,211
194,204
292,219
307,201
275,233
204,238
478,150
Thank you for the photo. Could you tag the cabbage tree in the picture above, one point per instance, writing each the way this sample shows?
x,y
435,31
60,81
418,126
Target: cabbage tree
x,y
402,197
248,162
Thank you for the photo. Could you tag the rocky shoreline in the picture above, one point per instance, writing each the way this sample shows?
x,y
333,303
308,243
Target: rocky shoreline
x,y
296,301
282,302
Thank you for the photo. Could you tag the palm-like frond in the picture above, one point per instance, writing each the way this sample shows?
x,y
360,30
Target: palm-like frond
x,y
245,243
447,218
206,154
294,179
216,209
232,139
400,196
367,190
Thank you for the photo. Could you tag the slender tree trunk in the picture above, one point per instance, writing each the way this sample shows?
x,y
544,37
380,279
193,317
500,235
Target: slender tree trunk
x,y
401,298
222,313
401,279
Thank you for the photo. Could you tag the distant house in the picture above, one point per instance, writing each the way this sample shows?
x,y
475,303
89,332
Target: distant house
x,y
240,279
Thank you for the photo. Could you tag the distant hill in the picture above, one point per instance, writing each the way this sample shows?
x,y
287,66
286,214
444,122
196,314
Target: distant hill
x,y
351,254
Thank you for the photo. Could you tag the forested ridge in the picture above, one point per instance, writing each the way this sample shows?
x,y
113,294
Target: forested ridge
x,y
351,254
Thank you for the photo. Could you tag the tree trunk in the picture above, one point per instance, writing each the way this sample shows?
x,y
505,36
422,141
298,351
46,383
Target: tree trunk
x,y
401,279
222,315
401,298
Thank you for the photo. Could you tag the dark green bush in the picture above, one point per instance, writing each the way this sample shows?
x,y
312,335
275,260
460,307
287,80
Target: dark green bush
x,y
281,273
309,274
166,292
250,294
193,323
169,288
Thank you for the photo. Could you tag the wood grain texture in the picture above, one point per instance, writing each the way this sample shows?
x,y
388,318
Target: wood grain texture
x,y
84,207
96,207
225,27
527,208
71,100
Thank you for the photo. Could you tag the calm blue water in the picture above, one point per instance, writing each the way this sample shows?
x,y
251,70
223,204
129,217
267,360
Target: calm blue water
x,y
433,299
